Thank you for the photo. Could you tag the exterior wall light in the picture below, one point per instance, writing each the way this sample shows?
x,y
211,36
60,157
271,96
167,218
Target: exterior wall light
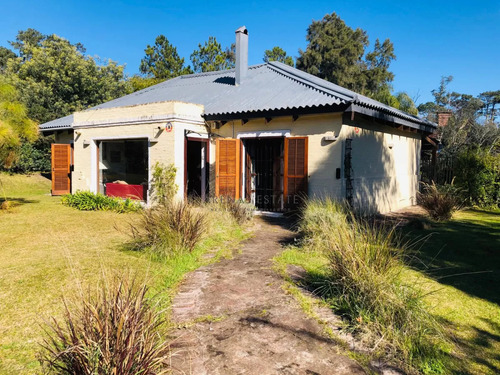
x,y
330,137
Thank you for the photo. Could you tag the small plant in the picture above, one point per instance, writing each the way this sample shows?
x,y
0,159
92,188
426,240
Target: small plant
x,y
5,204
88,201
113,330
163,186
440,201
168,228
241,211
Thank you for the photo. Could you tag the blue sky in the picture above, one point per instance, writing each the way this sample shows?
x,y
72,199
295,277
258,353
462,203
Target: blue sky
x,y
431,38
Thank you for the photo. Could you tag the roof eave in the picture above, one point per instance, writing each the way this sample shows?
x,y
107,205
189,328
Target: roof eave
x,y
380,114
282,112
44,130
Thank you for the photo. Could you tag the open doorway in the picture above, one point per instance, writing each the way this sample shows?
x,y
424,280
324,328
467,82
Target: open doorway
x,y
123,168
196,168
263,161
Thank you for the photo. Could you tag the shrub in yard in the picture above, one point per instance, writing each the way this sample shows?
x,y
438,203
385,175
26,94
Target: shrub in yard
x,y
113,330
365,285
163,186
478,175
34,157
168,228
241,211
88,201
440,201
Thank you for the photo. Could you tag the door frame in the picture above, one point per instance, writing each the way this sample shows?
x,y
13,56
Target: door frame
x,y
269,135
204,180
94,158
277,133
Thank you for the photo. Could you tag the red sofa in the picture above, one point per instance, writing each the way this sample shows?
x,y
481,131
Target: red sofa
x,y
138,192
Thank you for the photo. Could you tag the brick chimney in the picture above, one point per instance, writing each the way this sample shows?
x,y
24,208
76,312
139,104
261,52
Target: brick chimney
x,y
443,117
241,54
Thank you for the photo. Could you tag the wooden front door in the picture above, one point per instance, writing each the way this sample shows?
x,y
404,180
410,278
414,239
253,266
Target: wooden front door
x,y
61,164
295,179
228,168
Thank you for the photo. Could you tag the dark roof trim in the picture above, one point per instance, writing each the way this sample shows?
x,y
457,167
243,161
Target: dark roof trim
x,y
275,113
387,117
373,104
56,128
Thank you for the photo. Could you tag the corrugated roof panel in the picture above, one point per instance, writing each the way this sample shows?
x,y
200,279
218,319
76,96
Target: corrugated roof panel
x,y
267,87
263,89
60,123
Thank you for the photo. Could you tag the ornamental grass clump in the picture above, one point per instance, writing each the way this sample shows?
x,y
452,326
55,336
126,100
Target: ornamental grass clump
x,y
166,229
169,226
365,284
112,329
440,201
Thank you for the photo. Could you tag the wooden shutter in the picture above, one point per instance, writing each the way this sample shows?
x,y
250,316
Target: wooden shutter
x,y
227,168
61,162
295,184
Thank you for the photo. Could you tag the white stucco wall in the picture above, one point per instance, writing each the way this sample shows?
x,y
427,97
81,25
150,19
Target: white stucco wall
x,y
385,161
136,122
385,166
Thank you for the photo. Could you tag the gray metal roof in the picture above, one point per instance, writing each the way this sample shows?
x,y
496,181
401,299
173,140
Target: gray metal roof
x,y
58,124
269,87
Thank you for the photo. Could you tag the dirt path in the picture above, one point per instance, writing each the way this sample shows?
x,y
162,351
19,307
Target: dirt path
x,y
238,320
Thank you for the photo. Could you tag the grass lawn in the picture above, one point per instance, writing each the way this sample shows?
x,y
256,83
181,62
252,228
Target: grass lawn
x,y
48,250
461,263
460,268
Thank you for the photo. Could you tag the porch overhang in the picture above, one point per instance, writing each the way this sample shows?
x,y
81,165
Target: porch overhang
x,y
294,112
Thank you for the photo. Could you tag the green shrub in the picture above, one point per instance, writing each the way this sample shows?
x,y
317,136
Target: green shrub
x,y
168,228
478,175
34,157
440,201
163,186
364,283
88,201
241,211
112,330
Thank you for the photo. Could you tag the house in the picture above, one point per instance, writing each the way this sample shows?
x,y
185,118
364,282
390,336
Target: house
x,y
266,133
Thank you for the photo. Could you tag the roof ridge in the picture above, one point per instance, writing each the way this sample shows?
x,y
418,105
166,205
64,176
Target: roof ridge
x,y
216,72
312,81
356,98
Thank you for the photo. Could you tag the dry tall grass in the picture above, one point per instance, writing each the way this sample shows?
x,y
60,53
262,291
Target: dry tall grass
x,y
440,201
169,228
365,285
